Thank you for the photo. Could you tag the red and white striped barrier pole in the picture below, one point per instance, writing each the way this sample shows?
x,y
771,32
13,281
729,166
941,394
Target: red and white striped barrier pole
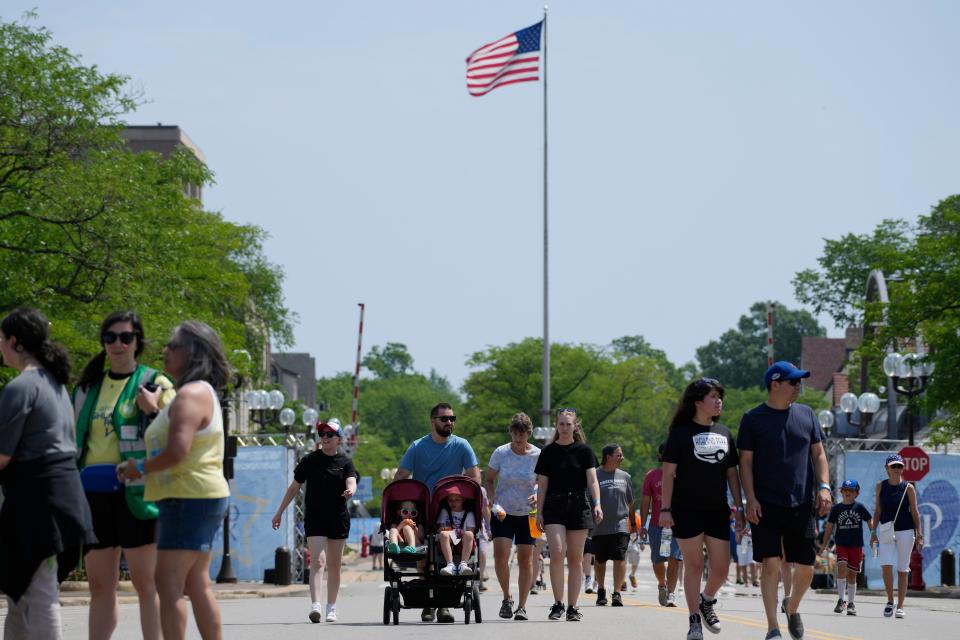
x,y
352,442
770,307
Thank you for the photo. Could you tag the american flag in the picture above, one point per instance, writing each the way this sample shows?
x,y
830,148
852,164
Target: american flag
x,y
515,58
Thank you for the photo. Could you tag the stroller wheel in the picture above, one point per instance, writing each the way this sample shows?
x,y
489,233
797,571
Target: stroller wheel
x,y
387,605
467,608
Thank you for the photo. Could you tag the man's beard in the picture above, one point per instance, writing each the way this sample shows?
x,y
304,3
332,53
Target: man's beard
x,y
444,431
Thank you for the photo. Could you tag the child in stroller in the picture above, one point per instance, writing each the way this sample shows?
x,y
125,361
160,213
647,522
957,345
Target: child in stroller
x,y
455,527
404,524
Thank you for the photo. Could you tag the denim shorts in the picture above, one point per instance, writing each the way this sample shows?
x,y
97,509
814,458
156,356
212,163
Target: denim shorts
x,y
189,524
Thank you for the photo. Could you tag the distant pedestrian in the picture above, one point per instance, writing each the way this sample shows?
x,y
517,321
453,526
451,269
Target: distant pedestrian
x,y
511,485
896,526
43,512
376,550
331,481
785,476
568,506
666,569
846,522
699,464
184,476
612,536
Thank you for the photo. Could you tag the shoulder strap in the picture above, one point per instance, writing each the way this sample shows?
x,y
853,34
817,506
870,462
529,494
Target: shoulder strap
x,y
905,489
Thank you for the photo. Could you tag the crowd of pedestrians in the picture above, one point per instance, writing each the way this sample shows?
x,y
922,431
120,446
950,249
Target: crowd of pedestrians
x,y
131,463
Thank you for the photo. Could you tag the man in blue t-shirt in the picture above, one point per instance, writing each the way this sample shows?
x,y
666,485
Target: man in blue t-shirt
x,y
436,455
781,460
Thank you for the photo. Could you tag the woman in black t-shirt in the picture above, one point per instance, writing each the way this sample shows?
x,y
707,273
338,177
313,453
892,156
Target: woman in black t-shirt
x,y
331,481
699,461
566,470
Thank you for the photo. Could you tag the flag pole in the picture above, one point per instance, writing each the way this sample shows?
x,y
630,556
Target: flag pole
x,y
545,410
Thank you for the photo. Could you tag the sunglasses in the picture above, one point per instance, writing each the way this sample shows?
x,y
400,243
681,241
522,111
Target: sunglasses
x,y
126,337
896,467
409,512
326,433
566,410
447,418
794,383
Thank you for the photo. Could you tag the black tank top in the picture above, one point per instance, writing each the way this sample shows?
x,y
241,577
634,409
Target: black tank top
x,y
890,496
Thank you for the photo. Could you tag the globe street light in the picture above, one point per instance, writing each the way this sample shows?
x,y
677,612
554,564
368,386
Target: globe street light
x,y
825,418
868,404
264,406
542,434
909,373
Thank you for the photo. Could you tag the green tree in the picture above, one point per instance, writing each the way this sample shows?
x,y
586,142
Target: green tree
x,y
88,227
622,392
739,357
390,361
922,265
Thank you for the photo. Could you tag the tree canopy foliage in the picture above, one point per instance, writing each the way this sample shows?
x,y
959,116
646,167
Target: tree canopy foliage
x,y
88,227
921,262
738,358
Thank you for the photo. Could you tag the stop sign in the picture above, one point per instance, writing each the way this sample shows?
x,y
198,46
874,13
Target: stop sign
x,y
916,463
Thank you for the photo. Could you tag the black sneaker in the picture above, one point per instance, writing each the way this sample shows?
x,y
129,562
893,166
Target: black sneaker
x,y
696,630
840,606
707,614
601,597
851,609
888,610
795,626
444,615
616,601
556,611
506,609
426,615
573,614
520,614
773,634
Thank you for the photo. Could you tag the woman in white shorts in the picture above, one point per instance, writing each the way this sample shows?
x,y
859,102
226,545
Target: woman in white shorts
x,y
896,503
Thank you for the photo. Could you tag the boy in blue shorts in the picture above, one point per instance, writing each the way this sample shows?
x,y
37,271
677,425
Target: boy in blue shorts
x,y
848,518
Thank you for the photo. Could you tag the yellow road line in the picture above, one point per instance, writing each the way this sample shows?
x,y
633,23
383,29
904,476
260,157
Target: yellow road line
x,y
738,619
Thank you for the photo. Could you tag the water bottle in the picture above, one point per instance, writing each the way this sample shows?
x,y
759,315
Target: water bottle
x,y
876,548
666,540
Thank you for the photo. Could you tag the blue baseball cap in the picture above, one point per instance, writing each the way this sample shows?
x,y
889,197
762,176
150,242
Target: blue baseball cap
x,y
781,371
853,485
894,458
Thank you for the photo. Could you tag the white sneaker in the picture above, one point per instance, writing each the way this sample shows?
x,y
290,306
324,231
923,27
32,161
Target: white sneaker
x,y
899,613
448,570
464,569
331,613
315,612
671,599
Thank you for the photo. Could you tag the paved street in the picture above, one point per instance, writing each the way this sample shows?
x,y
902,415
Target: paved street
x,y
740,612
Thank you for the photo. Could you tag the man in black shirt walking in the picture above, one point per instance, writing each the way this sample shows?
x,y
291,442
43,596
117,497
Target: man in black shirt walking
x,y
783,467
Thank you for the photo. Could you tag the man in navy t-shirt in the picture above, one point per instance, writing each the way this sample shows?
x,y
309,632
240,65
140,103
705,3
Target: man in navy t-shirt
x,y
436,455
781,461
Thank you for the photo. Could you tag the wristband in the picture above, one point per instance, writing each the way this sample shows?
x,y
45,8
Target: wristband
x,y
140,468
665,510
824,485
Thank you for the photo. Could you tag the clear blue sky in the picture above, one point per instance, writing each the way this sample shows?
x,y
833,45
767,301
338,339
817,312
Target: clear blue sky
x,y
700,153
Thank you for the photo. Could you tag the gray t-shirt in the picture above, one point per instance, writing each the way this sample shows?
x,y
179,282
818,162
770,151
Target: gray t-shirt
x,y
36,417
516,480
616,494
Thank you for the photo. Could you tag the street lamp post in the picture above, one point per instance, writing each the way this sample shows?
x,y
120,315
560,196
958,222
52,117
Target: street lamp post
x,y
542,434
868,404
826,420
909,374
264,406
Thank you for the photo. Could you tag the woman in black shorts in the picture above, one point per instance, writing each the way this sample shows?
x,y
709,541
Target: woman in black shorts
x,y
331,480
699,461
566,470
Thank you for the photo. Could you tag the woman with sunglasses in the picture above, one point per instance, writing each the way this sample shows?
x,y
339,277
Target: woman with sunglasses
x,y
331,481
184,476
568,506
699,462
43,516
896,502
114,400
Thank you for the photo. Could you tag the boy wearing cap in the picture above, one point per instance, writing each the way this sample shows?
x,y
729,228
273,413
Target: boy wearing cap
x,y
848,518
783,468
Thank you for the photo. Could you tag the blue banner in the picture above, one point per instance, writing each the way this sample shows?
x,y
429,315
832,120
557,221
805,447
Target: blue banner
x,y
261,476
939,505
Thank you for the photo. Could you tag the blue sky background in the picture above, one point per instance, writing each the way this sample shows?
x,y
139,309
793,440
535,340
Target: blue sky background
x,y
700,153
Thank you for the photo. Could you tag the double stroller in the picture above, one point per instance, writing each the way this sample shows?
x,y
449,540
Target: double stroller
x,y
414,578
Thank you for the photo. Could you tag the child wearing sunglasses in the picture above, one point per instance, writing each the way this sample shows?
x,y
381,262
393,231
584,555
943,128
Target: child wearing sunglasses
x,y
405,525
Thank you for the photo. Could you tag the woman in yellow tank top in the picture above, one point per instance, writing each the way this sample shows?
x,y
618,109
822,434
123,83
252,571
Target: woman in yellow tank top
x,y
184,475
